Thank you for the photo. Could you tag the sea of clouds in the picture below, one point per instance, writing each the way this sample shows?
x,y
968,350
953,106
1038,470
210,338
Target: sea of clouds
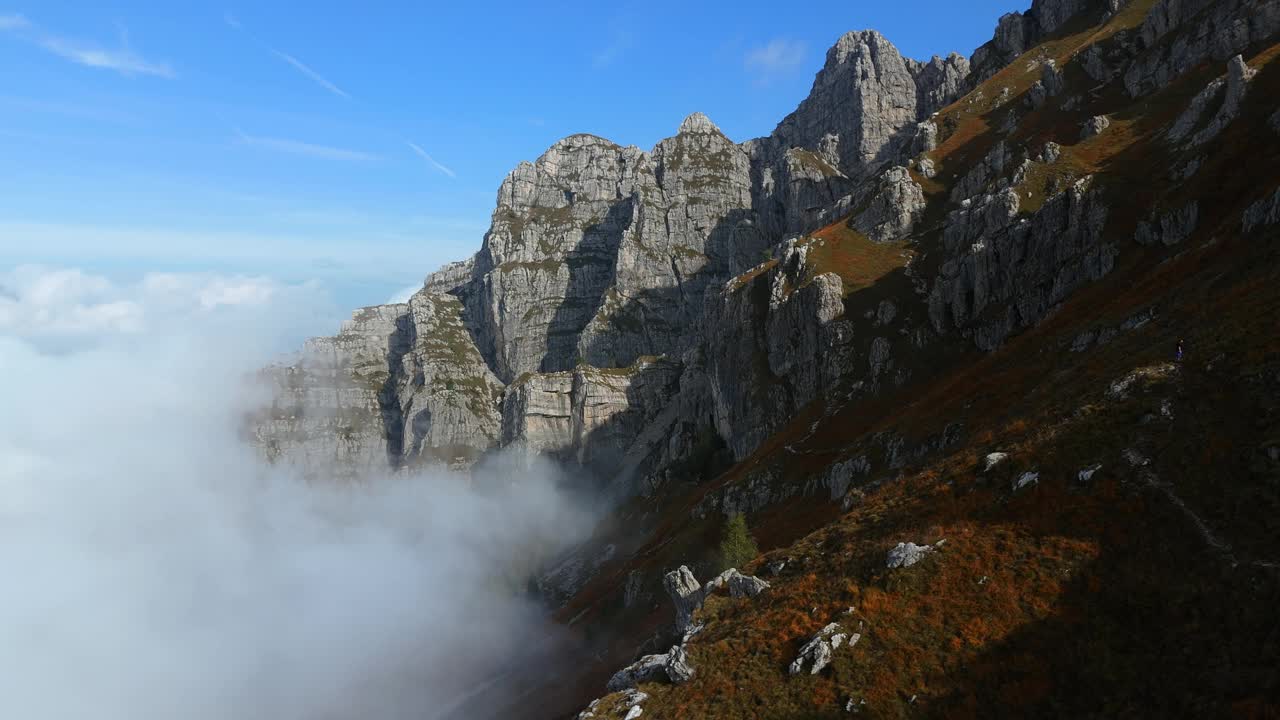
x,y
156,568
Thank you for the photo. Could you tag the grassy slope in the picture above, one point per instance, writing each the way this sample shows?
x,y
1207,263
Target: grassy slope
x,y
1065,599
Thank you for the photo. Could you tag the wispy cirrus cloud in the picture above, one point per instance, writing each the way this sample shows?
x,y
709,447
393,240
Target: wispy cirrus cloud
x,y
315,76
234,23
125,61
297,147
775,57
619,42
122,60
427,156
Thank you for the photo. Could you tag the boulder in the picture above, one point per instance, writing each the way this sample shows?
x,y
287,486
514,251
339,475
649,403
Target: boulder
x,y
1094,126
1087,474
816,654
993,459
904,555
649,668
741,586
672,665
1025,479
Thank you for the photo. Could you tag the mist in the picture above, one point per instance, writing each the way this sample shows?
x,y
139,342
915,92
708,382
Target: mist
x,y
156,567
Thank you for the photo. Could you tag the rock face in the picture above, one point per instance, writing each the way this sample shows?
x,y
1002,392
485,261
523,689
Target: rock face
x,y
1227,92
599,304
1263,212
1025,266
634,313
1018,32
863,100
1169,228
894,208
602,253
1203,30
774,340
400,385
588,415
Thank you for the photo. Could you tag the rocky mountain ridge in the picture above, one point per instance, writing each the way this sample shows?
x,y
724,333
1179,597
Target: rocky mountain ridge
x,y
833,319
600,256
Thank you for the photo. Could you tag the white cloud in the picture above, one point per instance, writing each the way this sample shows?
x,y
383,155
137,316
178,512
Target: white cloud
x,y
60,309
777,56
60,304
168,573
315,76
122,60
425,156
234,23
296,147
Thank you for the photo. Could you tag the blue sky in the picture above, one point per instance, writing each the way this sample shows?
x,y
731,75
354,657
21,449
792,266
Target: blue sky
x,y
361,145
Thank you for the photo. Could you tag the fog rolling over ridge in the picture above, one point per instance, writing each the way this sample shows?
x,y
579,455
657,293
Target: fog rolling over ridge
x,y
156,568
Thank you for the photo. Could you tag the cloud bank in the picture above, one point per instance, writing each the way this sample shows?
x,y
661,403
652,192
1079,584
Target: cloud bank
x,y
158,570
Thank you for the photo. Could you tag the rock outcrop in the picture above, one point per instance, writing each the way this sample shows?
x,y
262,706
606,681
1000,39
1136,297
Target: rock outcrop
x,y
1264,212
1169,228
1018,32
1226,92
1198,31
1005,272
686,595
906,554
895,206
672,666
865,98
400,385
816,654
774,339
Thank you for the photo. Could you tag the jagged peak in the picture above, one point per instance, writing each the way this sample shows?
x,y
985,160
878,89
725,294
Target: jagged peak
x,y
584,139
852,42
578,141
698,123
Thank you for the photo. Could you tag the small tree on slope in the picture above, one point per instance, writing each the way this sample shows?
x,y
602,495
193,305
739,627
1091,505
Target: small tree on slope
x,y
737,547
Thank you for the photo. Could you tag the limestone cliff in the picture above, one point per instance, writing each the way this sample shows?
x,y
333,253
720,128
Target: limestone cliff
x,y
617,315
